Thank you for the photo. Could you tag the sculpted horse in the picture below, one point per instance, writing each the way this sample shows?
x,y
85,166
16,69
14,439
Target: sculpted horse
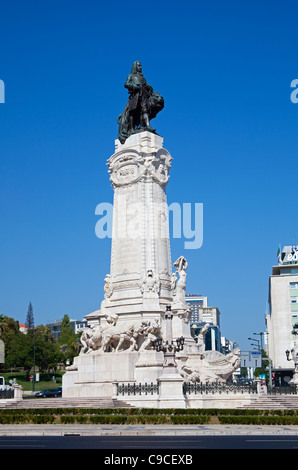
x,y
115,337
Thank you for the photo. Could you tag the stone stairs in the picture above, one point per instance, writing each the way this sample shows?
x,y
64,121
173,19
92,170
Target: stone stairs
x,y
97,402
273,402
266,402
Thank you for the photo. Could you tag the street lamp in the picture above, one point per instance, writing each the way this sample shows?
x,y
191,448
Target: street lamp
x,y
259,350
269,364
261,336
34,347
168,347
258,341
294,354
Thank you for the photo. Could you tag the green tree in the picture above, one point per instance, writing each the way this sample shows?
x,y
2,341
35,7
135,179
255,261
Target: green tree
x,y
37,342
243,372
47,355
264,367
67,340
30,317
9,329
20,352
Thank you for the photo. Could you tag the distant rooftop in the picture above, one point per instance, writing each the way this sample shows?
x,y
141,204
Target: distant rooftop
x,y
289,255
287,258
194,295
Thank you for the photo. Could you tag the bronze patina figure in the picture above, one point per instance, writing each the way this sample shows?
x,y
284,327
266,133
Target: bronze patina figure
x,y
143,105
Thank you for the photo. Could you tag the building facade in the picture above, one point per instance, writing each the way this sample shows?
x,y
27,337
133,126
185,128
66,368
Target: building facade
x,y
77,326
283,312
196,302
201,314
200,311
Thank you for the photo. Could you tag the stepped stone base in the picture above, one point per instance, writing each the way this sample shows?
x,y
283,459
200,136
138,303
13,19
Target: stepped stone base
x,y
96,373
100,402
277,402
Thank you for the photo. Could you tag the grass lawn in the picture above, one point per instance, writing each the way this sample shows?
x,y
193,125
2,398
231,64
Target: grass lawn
x,y
45,380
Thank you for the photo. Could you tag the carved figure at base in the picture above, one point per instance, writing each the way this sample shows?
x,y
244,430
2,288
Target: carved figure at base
x,y
143,104
150,283
179,287
114,336
189,375
151,333
200,339
108,288
211,366
91,338
88,337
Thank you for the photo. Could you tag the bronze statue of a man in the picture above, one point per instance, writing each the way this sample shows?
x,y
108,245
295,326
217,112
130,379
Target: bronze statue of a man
x,y
142,105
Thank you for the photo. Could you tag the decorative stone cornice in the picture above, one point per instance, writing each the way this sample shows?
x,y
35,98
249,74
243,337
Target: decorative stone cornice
x,y
128,167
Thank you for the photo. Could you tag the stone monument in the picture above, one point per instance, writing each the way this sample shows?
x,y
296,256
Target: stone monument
x,y
294,354
142,106
119,346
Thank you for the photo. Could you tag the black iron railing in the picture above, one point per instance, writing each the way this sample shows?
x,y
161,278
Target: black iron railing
x,y
199,388
217,388
137,389
286,390
8,393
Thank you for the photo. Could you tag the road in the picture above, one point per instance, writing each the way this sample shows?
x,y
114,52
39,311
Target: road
x,y
177,444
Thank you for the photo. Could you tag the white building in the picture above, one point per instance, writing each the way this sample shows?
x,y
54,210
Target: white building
x,y
210,315
227,345
200,311
23,328
77,326
202,314
196,302
283,311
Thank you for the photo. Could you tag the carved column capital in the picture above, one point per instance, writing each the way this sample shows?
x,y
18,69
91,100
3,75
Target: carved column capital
x,y
127,167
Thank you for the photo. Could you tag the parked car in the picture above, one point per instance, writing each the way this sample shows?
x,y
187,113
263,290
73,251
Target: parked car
x,y
245,381
51,392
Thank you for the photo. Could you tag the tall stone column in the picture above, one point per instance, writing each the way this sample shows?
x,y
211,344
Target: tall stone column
x,y
139,282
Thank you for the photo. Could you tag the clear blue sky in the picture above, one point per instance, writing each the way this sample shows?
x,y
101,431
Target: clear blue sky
x,y
224,69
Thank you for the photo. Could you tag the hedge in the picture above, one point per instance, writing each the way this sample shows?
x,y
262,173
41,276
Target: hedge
x,y
103,419
261,420
148,411
146,416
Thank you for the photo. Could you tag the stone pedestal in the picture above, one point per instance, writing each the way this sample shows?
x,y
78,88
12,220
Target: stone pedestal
x,y
95,374
148,367
181,327
18,392
140,283
171,391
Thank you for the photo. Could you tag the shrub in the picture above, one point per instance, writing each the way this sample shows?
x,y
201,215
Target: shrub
x,y
261,420
43,419
146,416
66,419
